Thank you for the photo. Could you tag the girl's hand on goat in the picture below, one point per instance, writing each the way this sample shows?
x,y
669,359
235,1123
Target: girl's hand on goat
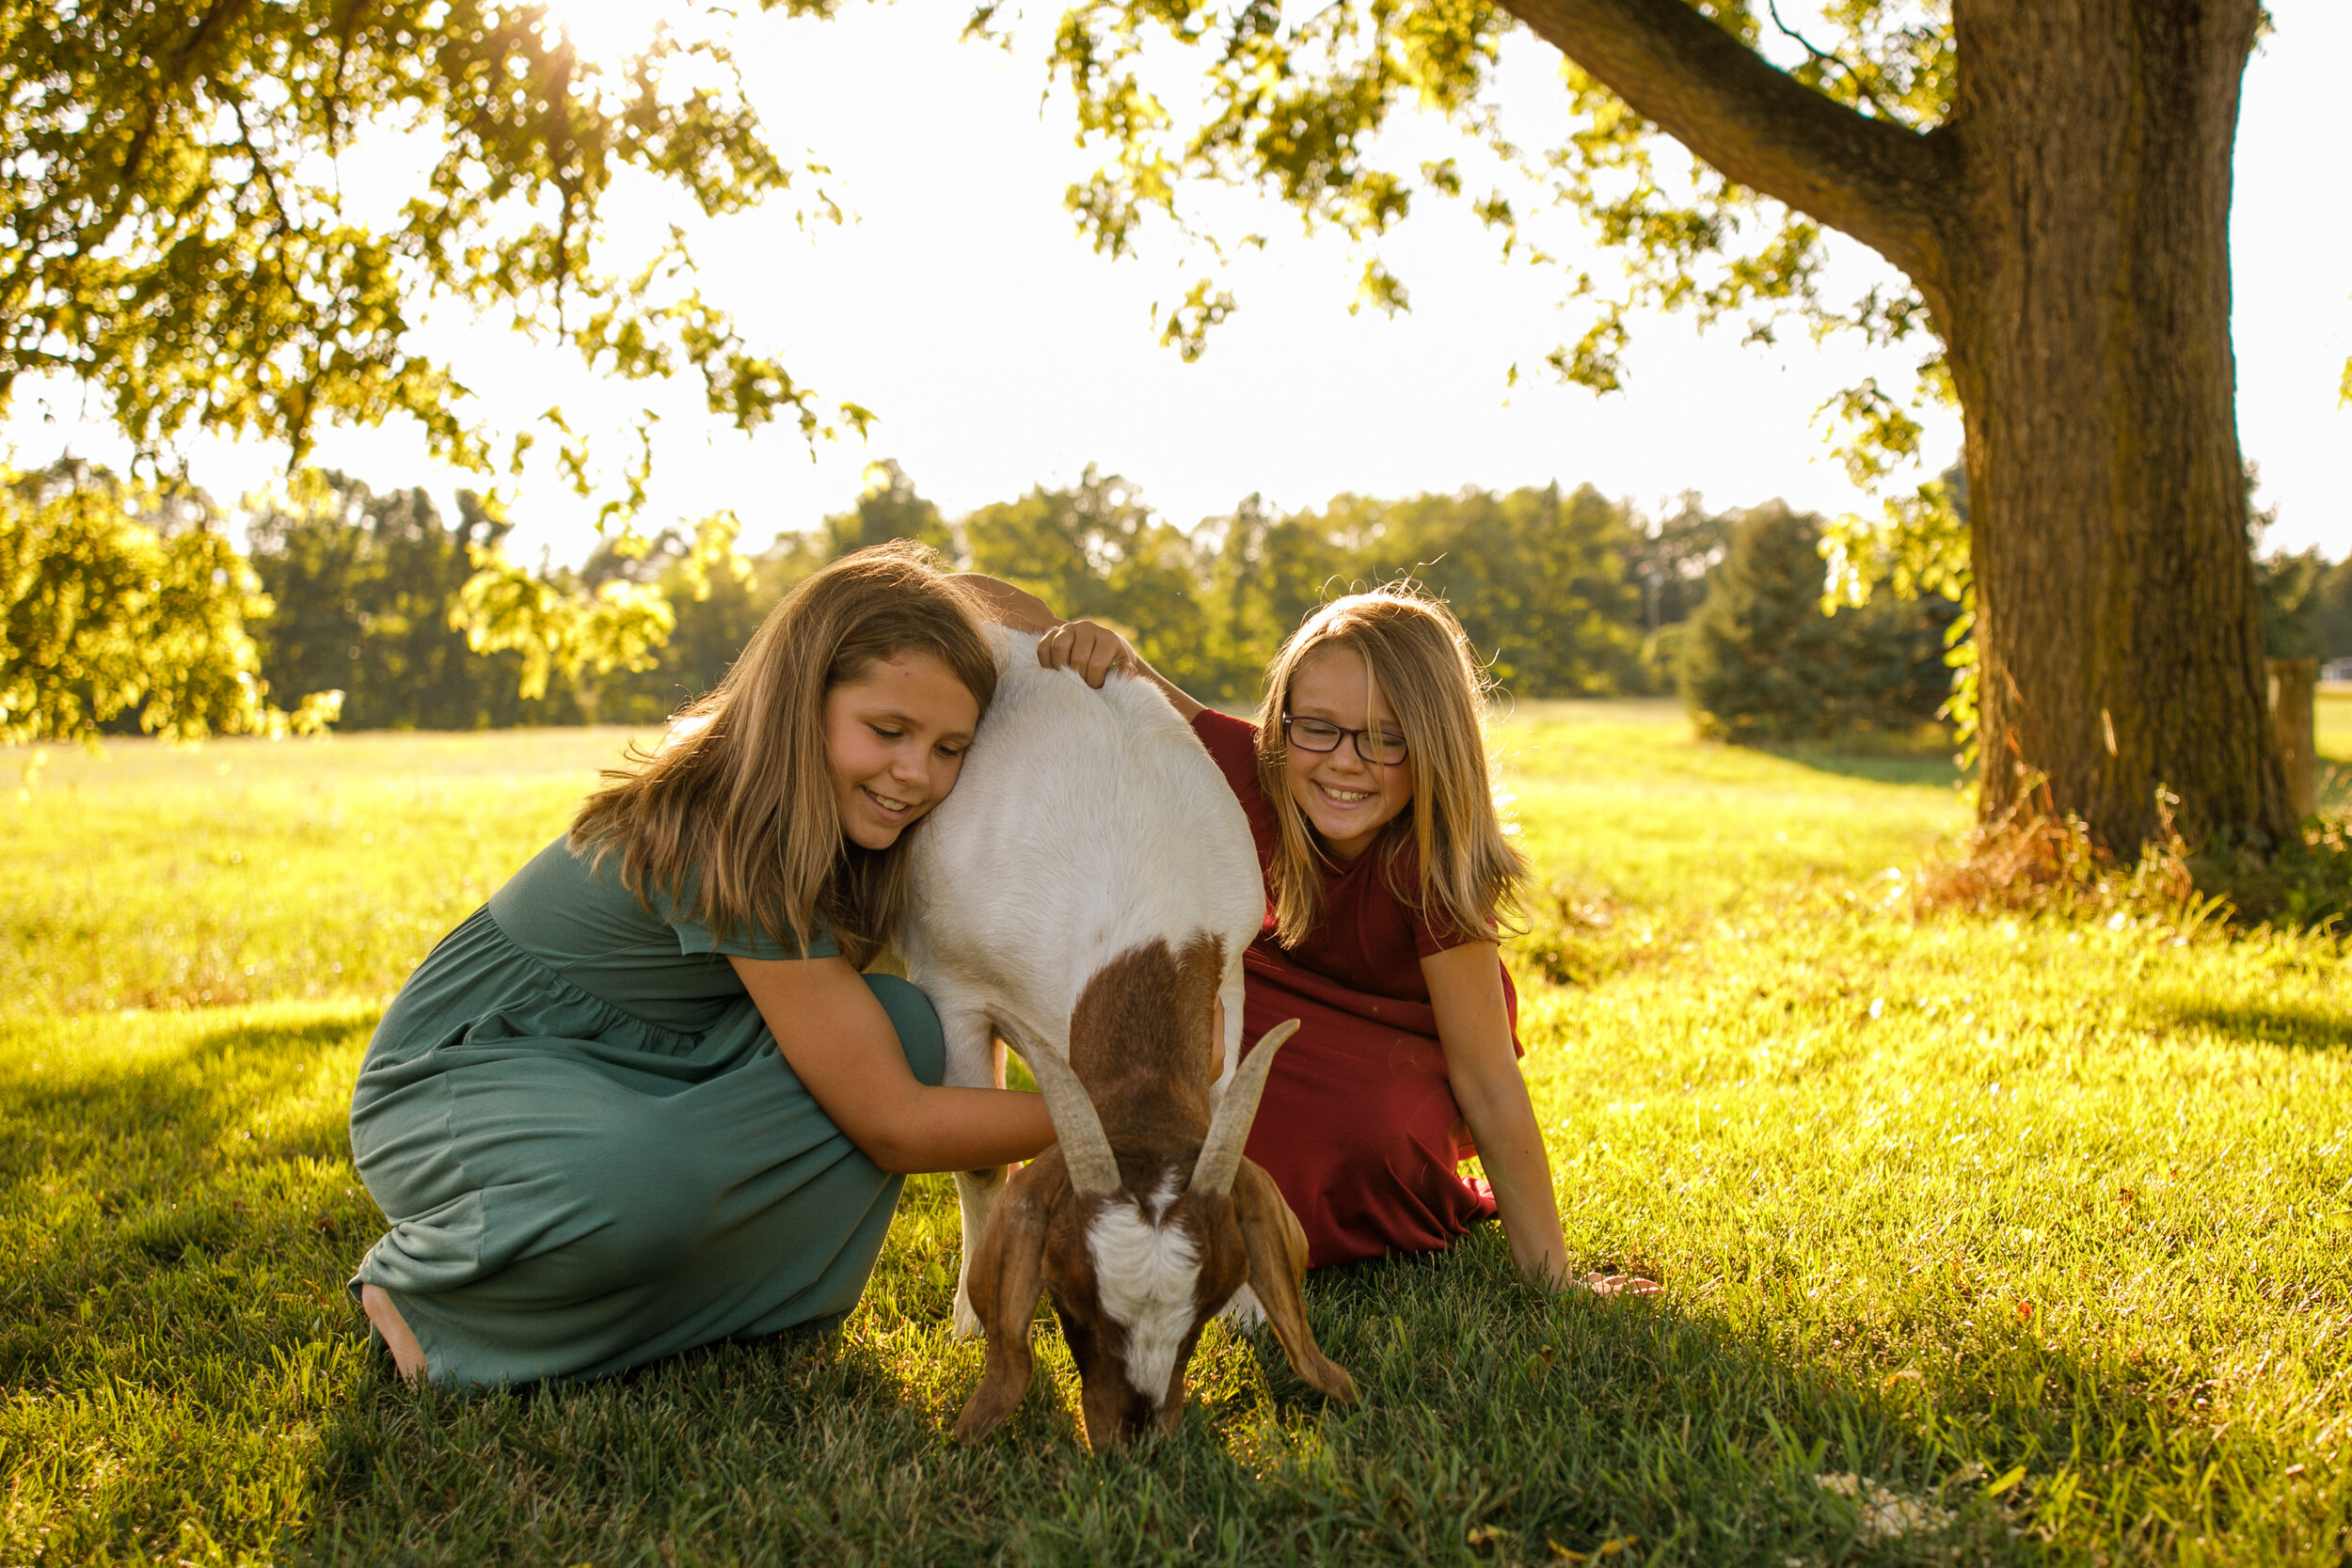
x,y
1091,649
1094,651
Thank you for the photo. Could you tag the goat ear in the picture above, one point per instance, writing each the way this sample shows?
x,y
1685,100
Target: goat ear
x,y
1005,1279
1278,1262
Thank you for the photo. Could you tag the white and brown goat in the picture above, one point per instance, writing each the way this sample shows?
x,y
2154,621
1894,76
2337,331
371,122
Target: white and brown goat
x,y
1086,894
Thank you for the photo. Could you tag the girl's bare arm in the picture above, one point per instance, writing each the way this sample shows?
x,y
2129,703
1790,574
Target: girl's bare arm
x,y
1465,991
841,1044
1475,1029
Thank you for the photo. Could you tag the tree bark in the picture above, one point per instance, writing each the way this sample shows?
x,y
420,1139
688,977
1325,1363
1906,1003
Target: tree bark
x,y
2119,634
2294,719
2069,230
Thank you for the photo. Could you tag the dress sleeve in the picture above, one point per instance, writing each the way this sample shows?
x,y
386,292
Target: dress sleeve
x,y
1429,938
1233,745
1432,937
694,937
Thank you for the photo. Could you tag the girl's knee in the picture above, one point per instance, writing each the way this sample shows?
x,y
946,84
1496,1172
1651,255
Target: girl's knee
x,y
917,1024
647,1215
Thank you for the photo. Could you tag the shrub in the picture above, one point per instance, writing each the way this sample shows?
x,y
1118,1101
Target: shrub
x,y
1760,661
2033,859
120,604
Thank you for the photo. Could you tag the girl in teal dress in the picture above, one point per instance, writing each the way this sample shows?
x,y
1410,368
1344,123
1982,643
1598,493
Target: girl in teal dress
x,y
645,1100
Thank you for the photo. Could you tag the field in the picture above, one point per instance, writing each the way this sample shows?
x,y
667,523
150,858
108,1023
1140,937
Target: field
x,y
1983,1240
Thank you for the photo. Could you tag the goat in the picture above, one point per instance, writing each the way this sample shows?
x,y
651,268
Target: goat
x,y
1085,895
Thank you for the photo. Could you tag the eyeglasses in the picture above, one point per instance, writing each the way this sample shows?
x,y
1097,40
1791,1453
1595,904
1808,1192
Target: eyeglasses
x,y
1318,735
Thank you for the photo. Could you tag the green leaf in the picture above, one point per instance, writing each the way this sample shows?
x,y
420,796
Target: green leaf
x,y
177,236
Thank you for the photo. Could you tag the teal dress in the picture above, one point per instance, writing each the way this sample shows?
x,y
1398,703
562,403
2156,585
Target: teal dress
x,y
590,1150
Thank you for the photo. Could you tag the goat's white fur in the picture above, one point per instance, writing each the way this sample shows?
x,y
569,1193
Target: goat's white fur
x,y
1244,1310
1085,824
1145,1277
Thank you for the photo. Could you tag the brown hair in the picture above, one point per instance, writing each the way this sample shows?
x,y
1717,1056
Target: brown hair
x,y
1415,652
733,818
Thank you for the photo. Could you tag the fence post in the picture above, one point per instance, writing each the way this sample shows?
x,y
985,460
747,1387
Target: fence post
x,y
2294,718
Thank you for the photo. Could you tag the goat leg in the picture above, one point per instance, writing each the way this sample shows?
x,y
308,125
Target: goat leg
x,y
1278,1264
976,1059
1007,1275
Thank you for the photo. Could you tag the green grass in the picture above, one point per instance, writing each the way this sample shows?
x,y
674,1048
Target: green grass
x,y
1619,796
147,877
2043,1228
2333,717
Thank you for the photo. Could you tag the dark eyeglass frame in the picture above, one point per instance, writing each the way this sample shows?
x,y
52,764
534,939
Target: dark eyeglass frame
x,y
1290,734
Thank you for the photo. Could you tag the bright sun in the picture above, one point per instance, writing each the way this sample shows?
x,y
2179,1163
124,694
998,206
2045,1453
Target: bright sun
x,y
608,32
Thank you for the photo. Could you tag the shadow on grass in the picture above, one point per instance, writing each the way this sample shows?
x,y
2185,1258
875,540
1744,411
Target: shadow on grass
x,y
175,1212
134,1158
1498,1419
1897,765
189,1088
2303,1027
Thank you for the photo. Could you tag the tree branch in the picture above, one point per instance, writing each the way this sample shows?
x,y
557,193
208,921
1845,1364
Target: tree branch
x,y
1879,181
1861,83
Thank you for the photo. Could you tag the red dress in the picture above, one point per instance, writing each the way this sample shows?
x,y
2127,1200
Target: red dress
x,y
1358,1127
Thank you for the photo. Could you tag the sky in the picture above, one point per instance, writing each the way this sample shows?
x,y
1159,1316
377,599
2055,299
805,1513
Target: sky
x,y
1000,352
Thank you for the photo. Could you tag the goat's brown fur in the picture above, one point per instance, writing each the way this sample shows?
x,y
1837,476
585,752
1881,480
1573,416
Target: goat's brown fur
x,y
1140,1041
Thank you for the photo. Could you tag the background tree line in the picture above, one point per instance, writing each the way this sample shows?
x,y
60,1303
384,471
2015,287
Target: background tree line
x,y
2307,604
1565,590
345,589
175,239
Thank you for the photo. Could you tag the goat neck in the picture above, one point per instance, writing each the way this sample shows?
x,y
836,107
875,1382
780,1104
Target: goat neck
x,y
1140,1039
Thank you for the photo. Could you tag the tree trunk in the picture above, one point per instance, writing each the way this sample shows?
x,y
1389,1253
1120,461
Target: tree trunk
x,y
2294,719
2087,322
2068,227
588,696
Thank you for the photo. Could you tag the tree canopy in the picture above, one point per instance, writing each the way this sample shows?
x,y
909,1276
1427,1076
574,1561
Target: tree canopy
x,y
361,588
1564,591
2051,183
177,231
1759,661
182,231
120,604
1297,110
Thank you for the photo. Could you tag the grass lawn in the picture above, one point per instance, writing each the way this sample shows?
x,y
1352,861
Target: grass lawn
x,y
1983,1241
2333,716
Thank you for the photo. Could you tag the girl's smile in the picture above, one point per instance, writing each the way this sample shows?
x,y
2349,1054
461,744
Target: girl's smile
x,y
895,739
1346,799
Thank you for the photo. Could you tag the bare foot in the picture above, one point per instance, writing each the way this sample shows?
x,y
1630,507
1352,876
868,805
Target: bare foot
x,y
408,1355
1618,1285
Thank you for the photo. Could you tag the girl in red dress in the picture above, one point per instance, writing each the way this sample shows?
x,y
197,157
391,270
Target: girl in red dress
x,y
1369,795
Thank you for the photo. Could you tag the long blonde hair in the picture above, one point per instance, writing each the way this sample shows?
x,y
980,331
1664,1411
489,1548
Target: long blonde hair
x,y
1417,654
733,819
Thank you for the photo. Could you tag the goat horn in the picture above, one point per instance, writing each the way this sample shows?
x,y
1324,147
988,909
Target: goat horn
x,y
1229,1128
1093,1170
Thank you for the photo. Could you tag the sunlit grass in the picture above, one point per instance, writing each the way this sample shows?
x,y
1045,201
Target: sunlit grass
x,y
2332,716
2040,1230
1619,796
152,875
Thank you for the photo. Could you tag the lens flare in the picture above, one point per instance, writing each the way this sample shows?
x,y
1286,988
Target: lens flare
x,y
608,32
